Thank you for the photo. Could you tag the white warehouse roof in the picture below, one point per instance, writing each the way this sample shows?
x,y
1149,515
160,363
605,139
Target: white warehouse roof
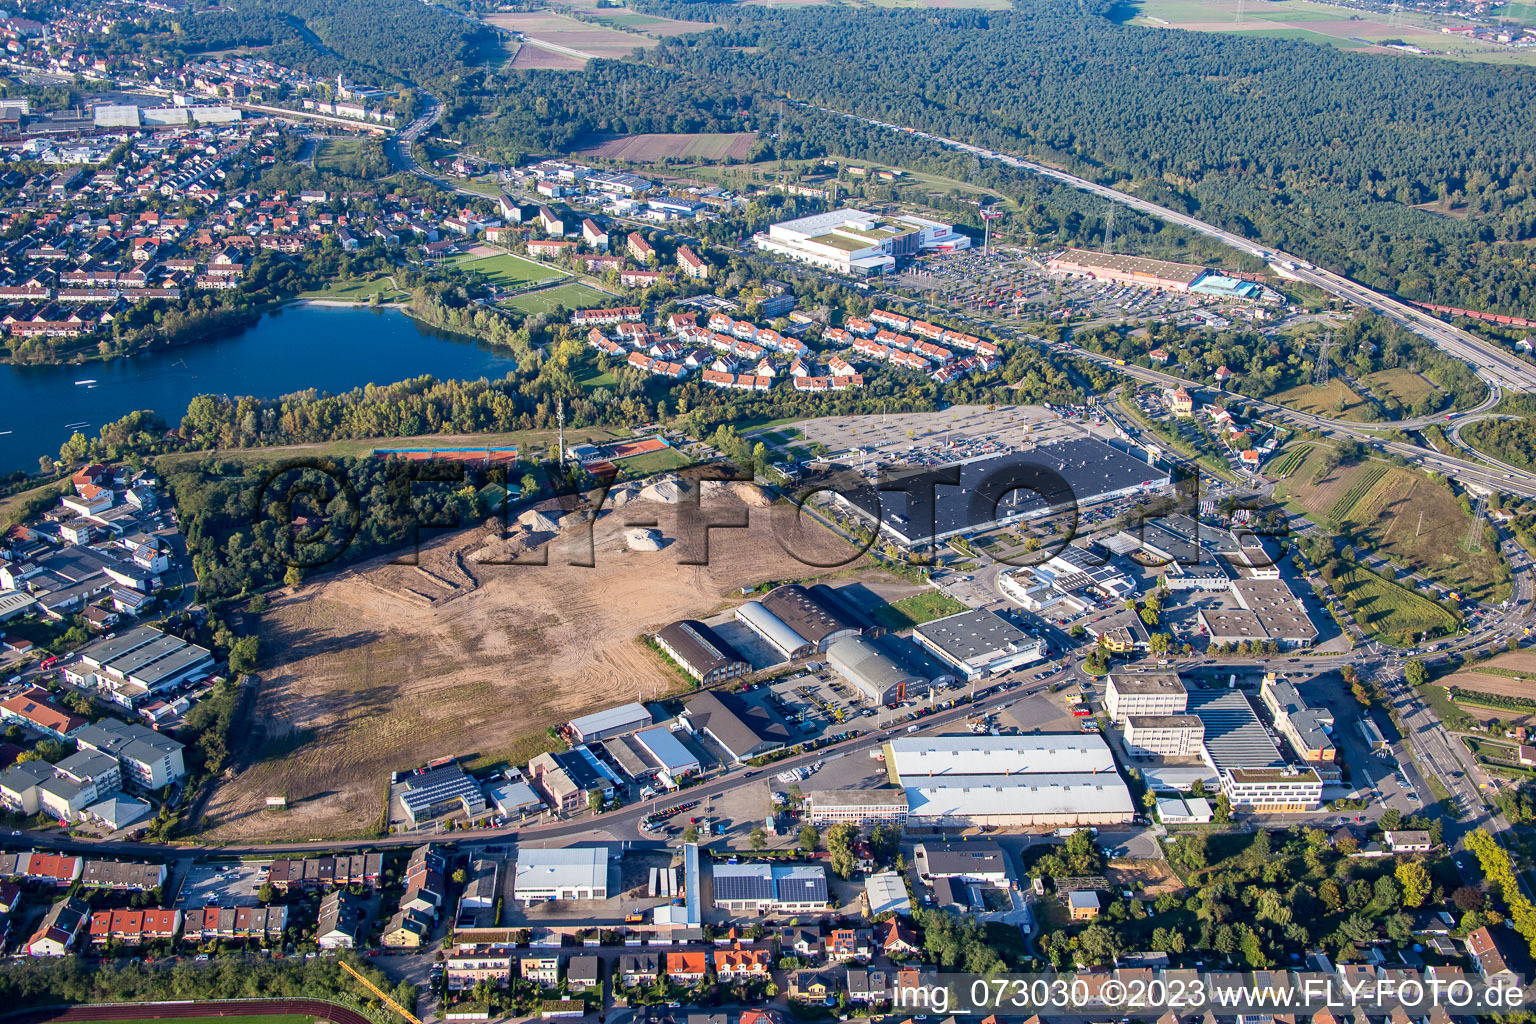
x,y
917,758
624,718
994,796
577,868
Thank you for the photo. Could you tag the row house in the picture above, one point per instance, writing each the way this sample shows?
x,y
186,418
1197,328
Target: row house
x,y
205,924
134,927
585,317
814,384
364,869
737,381
889,319
659,367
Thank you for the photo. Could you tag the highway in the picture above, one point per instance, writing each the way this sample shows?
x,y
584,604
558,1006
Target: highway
x,y
1491,362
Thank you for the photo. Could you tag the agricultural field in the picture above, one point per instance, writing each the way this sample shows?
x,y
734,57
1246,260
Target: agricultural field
x,y
1388,611
1403,516
571,296
378,667
1288,462
644,149
508,270
916,610
1324,25
563,36
1508,675
1407,387
534,58
1335,399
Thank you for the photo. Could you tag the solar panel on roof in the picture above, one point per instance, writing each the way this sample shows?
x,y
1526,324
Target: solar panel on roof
x,y
743,887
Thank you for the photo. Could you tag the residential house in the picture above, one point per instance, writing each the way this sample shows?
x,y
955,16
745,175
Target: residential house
x,y
465,970
341,922
738,964
639,968
845,944
688,967
583,972
59,929
543,971
812,986
134,927
1083,904
407,929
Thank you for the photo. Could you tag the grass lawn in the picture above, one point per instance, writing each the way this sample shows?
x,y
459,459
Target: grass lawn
x,y
650,463
1386,610
509,270
356,290
338,153
571,296
1445,709
1335,399
1405,386
916,610
592,377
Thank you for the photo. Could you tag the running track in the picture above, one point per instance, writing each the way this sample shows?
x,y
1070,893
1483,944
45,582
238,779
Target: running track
x,y
317,1008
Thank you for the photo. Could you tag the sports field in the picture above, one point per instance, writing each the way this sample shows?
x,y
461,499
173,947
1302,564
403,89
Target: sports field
x,y
509,270
1327,25
639,149
571,296
1402,515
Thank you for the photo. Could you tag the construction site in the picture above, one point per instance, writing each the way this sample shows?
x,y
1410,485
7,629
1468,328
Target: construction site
x,y
488,639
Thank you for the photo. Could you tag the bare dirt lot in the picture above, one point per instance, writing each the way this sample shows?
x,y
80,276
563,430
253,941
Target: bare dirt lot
x,y
382,667
1156,876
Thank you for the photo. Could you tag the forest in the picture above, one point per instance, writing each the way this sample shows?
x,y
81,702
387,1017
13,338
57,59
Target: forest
x,y
1304,146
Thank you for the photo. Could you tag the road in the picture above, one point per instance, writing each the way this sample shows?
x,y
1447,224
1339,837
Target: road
x,y
1491,362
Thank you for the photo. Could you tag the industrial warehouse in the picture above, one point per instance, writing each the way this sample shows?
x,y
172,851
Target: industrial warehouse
x,y
1046,780
857,243
934,504
798,622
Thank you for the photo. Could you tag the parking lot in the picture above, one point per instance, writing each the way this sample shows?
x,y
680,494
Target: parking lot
x,y
222,885
1013,283
937,438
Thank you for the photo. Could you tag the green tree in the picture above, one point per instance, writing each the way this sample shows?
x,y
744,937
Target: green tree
x,y
810,838
758,838
242,655
840,840
1415,882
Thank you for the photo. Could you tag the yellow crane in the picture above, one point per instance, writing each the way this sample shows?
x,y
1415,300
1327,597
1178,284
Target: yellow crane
x,y
371,987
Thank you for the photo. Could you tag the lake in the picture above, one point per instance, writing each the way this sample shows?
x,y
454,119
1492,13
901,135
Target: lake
x,y
329,348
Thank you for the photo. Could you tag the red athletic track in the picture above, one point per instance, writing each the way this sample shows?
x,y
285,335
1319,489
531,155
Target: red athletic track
x,y
334,1012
